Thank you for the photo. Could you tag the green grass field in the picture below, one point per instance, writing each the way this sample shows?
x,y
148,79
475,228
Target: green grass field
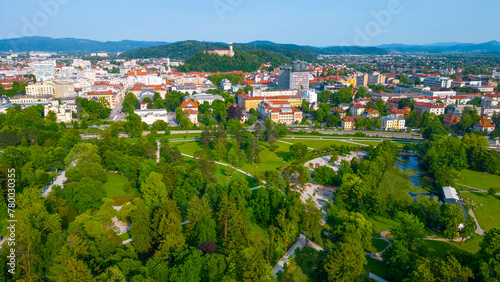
x,y
379,245
269,160
479,179
114,186
125,236
222,178
378,268
381,224
317,143
302,269
438,248
488,215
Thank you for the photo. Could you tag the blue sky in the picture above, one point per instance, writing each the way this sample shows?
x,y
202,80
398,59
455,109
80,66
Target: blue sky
x,y
317,23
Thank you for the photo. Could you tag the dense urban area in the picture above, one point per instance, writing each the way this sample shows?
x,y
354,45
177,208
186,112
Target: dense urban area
x,y
223,162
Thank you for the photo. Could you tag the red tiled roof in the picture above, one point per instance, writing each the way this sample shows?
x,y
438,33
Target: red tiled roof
x,y
484,124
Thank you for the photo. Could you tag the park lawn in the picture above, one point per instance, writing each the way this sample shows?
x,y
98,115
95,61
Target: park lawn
x,y
114,186
379,245
378,268
257,230
180,136
224,179
269,160
487,215
318,144
479,180
434,249
376,143
125,236
302,269
187,147
381,224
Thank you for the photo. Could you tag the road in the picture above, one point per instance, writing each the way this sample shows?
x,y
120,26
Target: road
x,y
59,181
116,113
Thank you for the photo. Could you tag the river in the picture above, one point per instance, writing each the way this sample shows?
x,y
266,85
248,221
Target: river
x,y
410,164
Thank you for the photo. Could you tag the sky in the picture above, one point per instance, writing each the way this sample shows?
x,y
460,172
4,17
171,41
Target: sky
x,y
313,22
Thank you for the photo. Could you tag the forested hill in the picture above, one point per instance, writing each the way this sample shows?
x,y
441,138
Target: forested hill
x,y
179,50
247,61
185,49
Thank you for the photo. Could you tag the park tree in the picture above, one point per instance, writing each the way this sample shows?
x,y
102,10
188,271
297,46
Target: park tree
x,y
201,227
253,149
406,240
444,158
38,236
489,256
153,191
206,165
311,221
206,137
160,125
258,130
345,262
234,112
414,119
449,269
85,194
270,133
451,217
84,161
332,120
298,151
353,225
130,103
323,175
352,193
158,101
421,271
168,230
134,125
141,226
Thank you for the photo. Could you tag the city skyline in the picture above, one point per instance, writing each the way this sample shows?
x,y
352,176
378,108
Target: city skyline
x,y
361,23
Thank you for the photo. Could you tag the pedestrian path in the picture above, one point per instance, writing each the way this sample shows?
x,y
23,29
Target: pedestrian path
x,y
301,243
227,165
60,179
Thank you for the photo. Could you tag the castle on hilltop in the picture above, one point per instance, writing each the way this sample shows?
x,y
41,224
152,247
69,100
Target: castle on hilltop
x,y
221,52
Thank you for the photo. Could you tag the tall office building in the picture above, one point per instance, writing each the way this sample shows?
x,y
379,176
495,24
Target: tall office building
x,y
437,81
294,77
44,71
64,89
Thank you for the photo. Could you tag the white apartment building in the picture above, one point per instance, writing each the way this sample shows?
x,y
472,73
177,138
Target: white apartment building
x,y
141,76
44,71
437,81
393,122
64,89
39,89
149,116
279,112
422,107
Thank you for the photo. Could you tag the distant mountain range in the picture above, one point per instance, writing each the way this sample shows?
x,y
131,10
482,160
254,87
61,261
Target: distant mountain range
x,y
186,49
487,47
37,43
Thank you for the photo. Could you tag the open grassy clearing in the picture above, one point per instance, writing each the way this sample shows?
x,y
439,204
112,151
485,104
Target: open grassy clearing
x,y
487,210
479,180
